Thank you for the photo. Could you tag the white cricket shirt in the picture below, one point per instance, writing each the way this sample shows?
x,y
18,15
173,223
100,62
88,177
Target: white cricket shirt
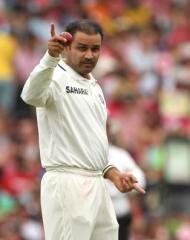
x,y
71,115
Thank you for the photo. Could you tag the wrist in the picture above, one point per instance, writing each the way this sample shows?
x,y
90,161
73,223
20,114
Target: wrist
x,y
49,61
112,173
53,54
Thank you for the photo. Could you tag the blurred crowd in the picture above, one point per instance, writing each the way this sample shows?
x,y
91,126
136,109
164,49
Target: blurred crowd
x,y
144,71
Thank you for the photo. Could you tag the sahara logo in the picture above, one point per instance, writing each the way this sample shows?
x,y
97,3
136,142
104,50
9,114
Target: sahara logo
x,y
76,90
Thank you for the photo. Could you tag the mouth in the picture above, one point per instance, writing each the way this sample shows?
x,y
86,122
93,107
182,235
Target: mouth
x,y
88,65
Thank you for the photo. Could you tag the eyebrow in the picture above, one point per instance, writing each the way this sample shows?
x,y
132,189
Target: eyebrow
x,y
82,45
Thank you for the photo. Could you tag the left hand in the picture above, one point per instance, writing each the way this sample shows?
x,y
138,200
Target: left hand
x,y
124,182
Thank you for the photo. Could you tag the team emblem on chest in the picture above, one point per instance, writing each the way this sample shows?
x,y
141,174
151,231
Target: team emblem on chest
x,y
76,90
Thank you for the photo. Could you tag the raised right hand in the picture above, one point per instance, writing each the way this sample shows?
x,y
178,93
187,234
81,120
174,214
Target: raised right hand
x,y
56,43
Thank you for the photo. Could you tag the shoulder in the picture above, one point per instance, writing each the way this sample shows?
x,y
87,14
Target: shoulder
x,y
60,71
60,76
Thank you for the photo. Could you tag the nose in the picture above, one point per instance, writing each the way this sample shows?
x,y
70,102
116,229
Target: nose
x,y
89,54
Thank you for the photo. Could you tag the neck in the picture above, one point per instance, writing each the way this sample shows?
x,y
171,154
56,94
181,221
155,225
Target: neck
x,y
87,76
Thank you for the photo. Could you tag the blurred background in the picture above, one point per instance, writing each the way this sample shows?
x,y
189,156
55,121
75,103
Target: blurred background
x,y
144,70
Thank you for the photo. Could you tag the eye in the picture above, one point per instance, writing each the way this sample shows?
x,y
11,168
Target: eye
x,y
95,49
81,48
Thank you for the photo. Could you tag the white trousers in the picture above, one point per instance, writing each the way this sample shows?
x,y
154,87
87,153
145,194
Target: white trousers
x,y
77,206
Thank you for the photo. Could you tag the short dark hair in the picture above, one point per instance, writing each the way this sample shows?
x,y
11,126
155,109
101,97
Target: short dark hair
x,y
86,26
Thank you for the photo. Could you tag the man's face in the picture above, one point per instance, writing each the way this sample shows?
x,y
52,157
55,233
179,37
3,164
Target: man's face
x,y
82,55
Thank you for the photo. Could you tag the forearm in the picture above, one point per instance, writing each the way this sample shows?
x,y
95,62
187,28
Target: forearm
x,y
36,89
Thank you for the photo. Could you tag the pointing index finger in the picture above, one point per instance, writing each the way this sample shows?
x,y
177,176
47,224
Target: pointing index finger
x,y
138,188
53,30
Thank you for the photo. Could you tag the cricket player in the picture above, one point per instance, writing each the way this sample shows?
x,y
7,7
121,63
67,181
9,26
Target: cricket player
x,y
71,116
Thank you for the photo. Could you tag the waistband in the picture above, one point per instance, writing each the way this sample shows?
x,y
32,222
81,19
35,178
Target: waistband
x,y
74,170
